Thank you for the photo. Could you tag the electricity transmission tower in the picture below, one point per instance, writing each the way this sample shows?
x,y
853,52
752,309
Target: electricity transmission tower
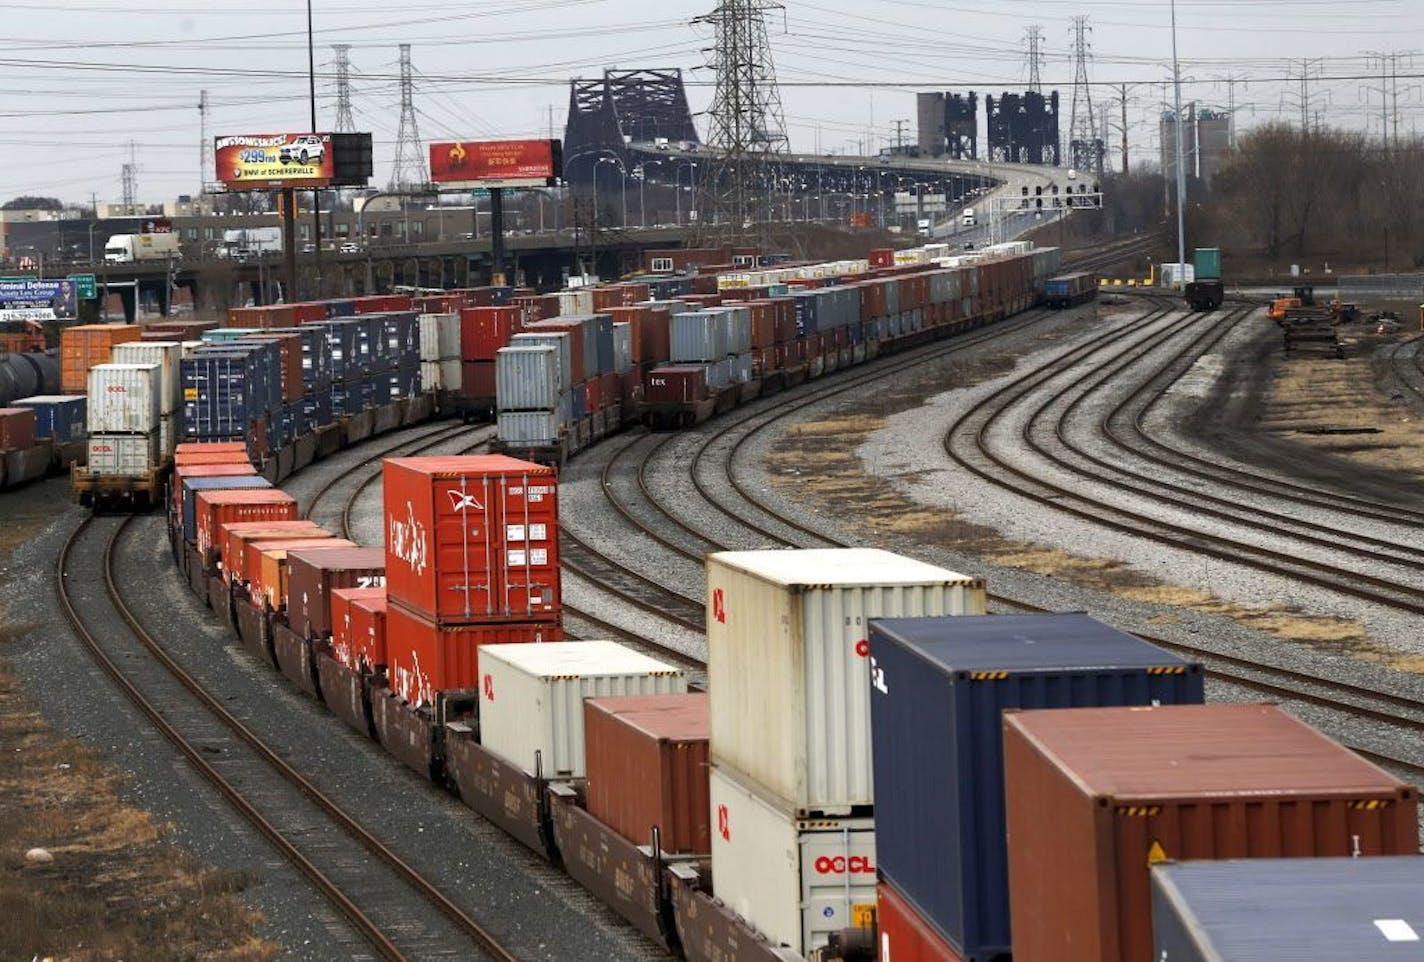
x,y
1085,148
1033,42
129,178
410,171
746,124
207,165
344,122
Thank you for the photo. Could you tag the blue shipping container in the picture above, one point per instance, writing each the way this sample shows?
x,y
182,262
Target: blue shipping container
x,y
316,409
1276,909
400,336
223,393
342,344
316,355
938,689
193,485
807,313
603,328
59,417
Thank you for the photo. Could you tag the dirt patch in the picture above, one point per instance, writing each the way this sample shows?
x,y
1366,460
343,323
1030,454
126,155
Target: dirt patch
x,y
1335,406
113,887
815,464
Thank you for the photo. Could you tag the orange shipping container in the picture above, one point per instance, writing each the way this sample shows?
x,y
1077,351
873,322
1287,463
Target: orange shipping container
x,y
1095,796
647,762
232,540
423,658
85,345
268,584
217,508
368,633
343,622
472,538
210,452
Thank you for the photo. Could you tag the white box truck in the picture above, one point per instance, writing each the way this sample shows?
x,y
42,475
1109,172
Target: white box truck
x,y
128,248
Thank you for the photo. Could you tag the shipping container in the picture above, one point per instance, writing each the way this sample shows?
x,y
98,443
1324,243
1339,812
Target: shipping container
x,y
166,355
124,398
232,539
189,486
213,509
314,573
676,384
122,455
344,622
472,538
315,355
647,765
84,345
1274,910
788,661
901,934
1095,796
795,880
440,337
225,393
527,378
17,429
58,417
570,363
426,658
210,452
532,427
531,697
699,336
270,577
366,646
938,688
184,472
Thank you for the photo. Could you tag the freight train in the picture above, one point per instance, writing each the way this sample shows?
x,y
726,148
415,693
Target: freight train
x,y
1069,290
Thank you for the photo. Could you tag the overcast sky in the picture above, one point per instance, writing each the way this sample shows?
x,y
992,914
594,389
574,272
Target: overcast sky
x,y
83,78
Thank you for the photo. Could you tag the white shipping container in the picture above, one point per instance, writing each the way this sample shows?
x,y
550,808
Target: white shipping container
x,y
795,880
531,696
124,398
574,303
527,378
167,436
122,455
788,663
442,375
532,427
166,354
439,337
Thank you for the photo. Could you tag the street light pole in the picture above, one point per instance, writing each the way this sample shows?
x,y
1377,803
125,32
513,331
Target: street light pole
x,y
1181,167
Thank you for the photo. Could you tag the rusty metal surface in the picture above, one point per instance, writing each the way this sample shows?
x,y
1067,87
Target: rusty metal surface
x,y
623,876
220,598
344,693
501,792
709,932
406,734
294,658
328,440
197,574
252,629
386,418
303,452
357,427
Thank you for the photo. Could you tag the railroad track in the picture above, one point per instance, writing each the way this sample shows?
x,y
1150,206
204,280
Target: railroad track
x,y
398,912
1394,712
1406,365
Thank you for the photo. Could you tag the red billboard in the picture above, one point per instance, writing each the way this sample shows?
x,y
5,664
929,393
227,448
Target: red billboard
x,y
495,163
266,161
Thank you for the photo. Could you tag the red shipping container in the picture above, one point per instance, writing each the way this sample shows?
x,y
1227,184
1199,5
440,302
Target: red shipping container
x,y
537,307
637,318
267,566
703,300
472,538
477,379
424,658
903,935
882,257
234,470
647,762
610,390
675,384
343,622
368,632
314,573
232,540
1094,796
593,395
656,336
763,322
210,452
484,330
17,429
218,508
785,320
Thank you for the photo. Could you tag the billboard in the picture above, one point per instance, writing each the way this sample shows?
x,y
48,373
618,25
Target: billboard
x,y
41,300
267,161
496,163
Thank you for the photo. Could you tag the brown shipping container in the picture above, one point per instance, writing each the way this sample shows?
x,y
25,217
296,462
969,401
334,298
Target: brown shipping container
x,y
84,345
648,761
17,429
1095,796
675,384
272,577
314,573
477,379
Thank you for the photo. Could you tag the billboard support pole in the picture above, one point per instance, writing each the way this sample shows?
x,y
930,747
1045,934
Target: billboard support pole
x,y
287,203
496,236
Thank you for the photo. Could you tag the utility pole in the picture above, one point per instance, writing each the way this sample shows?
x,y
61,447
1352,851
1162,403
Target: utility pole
x,y
1181,161
747,124
1122,126
1230,80
900,126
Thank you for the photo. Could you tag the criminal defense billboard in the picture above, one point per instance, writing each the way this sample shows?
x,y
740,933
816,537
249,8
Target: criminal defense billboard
x,y
496,163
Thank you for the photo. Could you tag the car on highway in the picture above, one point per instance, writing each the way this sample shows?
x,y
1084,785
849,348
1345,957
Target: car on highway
x,y
305,150
350,248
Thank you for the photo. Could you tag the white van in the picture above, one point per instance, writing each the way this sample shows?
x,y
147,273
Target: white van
x,y
967,219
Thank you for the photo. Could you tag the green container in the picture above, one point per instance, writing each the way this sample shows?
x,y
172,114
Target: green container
x,y
1207,261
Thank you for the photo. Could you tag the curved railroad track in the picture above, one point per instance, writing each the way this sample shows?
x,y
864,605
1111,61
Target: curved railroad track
x,y
391,906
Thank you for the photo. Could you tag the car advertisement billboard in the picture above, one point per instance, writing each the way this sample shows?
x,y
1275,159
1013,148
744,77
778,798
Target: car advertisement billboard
x,y
266,161
495,163
28,297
